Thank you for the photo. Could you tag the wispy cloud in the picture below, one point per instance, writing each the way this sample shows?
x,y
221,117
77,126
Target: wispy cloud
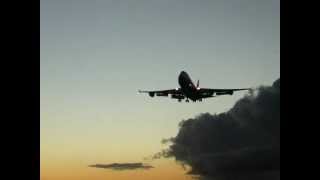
x,y
122,166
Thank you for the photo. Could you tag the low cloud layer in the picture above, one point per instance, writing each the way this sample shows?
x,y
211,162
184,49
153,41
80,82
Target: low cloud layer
x,y
243,143
122,166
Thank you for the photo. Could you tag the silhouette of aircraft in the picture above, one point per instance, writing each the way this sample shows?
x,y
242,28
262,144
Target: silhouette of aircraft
x,y
188,90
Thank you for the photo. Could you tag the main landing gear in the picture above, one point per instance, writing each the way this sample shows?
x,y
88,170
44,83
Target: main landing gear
x,y
187,100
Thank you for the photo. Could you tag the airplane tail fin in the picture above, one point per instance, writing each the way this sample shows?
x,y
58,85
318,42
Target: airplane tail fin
x,y
198,83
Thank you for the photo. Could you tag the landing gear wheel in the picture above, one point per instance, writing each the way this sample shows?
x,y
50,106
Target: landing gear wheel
x,y
187,100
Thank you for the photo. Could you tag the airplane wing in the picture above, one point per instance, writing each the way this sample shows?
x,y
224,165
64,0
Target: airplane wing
x,y
206,92
174,92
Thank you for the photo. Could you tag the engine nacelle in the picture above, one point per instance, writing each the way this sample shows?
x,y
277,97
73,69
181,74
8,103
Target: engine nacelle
x,y
230,92
151,94
161,94
174,96
224,93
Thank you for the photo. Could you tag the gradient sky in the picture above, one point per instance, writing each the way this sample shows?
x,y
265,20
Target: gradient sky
x,y
96,54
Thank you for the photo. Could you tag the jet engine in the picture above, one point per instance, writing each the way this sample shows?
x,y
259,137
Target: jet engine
x,y
162,94
175,96
224,93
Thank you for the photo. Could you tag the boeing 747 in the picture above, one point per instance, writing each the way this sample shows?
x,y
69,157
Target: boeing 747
x,y
188,90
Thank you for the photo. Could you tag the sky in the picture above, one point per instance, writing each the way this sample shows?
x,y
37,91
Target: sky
x,y
95,56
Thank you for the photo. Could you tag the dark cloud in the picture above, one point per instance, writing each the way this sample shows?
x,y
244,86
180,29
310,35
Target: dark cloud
x,y
243,143
122,166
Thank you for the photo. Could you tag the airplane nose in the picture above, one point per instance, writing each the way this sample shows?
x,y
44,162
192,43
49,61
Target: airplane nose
x,y
181,74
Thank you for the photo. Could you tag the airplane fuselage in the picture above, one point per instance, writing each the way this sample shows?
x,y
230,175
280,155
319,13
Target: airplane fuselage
x,y
187,86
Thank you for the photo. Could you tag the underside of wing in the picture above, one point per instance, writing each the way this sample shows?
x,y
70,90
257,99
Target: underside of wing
x,y
206,92
173,92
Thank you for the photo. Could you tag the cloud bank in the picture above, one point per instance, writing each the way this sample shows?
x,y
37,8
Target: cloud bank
x,y
122,166
242,143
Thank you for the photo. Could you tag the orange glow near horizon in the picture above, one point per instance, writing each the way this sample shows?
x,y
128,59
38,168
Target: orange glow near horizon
x,y
164,169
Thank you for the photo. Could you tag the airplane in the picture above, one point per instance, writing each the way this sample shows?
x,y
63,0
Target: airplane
x,y
188,90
